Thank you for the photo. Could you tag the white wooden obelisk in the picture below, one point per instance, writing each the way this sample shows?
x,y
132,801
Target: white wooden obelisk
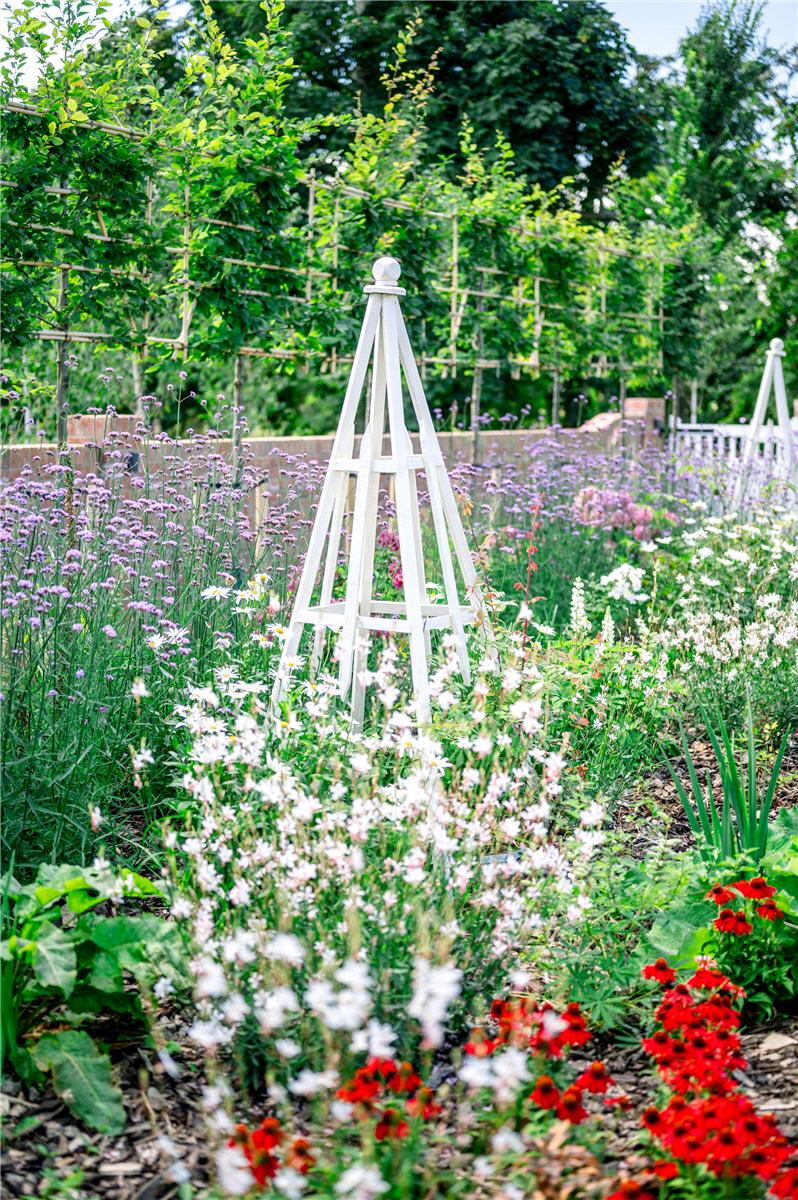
x,y
384,342
772,378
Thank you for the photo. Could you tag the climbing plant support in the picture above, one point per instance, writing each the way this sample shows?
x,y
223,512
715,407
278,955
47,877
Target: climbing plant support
x,y
384,343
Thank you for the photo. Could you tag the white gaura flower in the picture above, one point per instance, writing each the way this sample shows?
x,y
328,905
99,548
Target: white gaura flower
x,y
506,1141
210,979
510,1070
233,1171
289,1183
310,1083
376,1040
476,1072
287,1048
272,1009
285,947
361,1182
434,989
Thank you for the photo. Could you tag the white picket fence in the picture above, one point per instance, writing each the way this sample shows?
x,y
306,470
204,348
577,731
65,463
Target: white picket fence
x,y
726,466
725,442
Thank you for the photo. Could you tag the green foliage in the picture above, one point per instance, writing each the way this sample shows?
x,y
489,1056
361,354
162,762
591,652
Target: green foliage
x,y
81,1076
729,95
558,80
63,961
764,961
741,826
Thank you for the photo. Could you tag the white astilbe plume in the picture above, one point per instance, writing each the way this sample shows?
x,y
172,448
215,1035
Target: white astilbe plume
x,y
434,989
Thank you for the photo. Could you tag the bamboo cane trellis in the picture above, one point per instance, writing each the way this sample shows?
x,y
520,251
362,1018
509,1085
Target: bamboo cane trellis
x,y
464,287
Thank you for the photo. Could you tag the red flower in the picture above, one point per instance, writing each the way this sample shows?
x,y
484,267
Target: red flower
x,y
391,1125
479,1044
546,1093
660,971
423,1104
595,1079
757,888
786,1186
720,894
631,1190
665,1169
769,912
299,1156
571,1107
710,978
733,922
268,1135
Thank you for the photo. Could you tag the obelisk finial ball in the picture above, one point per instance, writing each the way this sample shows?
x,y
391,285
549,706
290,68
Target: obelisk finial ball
x,y
776,345
386,270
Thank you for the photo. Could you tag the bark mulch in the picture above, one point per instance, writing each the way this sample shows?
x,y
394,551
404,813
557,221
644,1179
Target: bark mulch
x,y
163,1142
651,807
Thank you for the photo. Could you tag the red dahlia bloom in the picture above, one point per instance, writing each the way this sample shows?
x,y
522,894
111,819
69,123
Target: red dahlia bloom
x,y
423,1104
769,912
652,1119
733,922
660,971
299,1157
709,978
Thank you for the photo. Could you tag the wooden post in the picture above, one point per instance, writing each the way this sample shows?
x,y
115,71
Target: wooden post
x,y
309,249
453,322
62,371
693,401
186,321
538,329
476,381
140,352
238,419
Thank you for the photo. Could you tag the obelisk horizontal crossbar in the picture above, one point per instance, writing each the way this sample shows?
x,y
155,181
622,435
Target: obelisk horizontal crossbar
x,y
384,342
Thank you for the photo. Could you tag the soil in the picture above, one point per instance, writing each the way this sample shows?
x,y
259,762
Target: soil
x,y
164,1138
655,796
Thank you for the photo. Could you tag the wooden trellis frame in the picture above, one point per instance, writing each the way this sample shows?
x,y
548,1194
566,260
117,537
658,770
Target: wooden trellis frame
x,y
458,291
383,342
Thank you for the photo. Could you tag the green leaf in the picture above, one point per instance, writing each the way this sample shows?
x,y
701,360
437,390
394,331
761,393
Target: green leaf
x,y
54,959
82,1078
680,933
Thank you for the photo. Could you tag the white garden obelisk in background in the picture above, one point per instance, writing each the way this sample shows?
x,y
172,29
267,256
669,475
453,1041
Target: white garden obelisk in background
x,y
383,342
772,378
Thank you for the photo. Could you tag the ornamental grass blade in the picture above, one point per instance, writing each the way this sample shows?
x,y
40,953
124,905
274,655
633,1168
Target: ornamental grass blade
x,y
729,775
753,832
767,803
697,817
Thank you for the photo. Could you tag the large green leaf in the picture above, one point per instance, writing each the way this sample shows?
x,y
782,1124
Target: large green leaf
x,y
54,958
680,932
82,1078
